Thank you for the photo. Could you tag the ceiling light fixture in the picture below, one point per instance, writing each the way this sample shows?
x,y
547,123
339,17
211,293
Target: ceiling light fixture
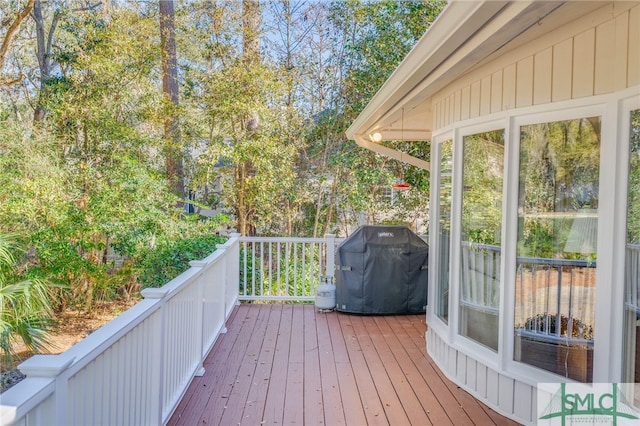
x,y
376,137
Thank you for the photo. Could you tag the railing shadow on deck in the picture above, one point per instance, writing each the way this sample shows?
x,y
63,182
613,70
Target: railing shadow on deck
x,y
135,369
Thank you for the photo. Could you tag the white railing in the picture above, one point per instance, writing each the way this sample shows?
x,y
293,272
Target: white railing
x,y
480,286
284,268
135,369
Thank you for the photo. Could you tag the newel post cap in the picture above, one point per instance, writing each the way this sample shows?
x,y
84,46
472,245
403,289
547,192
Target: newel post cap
x,y
45,365
154,293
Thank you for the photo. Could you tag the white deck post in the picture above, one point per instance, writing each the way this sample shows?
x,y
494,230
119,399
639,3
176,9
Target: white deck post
x,y
202,281
160,293
51,367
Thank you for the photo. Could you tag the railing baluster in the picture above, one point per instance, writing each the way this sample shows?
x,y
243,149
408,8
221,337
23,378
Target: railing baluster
x,y
295,268
558,308
278,266
570,307
304,268
261,290
287,270
271,286
245,271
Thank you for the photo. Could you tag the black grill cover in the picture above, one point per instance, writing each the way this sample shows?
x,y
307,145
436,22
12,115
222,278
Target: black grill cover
x,y
382,270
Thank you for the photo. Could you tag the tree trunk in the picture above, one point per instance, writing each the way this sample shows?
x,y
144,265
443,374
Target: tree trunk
x,y
170,90
251,31
43,52
251,58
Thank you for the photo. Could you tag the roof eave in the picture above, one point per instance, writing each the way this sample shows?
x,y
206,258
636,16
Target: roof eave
x,y
453,27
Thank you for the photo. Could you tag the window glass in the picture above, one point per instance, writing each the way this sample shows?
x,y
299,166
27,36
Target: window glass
x,y
444,229
631,372
480,236
556,251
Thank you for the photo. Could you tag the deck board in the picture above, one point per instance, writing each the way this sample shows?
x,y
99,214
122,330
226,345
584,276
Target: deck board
x,y
329,385
291,364
274,404
294,394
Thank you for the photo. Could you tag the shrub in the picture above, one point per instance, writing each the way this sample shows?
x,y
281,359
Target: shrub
x,y
171,258
25,310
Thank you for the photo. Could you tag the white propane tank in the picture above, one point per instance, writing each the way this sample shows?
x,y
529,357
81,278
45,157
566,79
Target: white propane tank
x,y
326,294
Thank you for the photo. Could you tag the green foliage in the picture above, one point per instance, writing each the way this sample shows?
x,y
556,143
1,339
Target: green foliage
x,y
633,212
559,174
171,258
383,33
25,311
86,183
483,178
376,36
296,274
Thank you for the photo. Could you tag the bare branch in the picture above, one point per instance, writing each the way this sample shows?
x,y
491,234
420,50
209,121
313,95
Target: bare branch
x,y
12,30
8,81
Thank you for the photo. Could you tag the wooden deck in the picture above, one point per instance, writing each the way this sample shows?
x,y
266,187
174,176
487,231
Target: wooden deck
x,y
290,364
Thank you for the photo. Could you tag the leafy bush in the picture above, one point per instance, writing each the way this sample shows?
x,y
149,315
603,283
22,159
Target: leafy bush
x,y
25,310
161,265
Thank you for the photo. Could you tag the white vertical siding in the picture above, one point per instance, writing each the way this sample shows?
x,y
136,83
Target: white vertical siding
x,y
471,376
604,57
542,72
584,60
633,76
601,56
485,95
523,405
562,71
506,395
524,82
465,99
509,87
481,381
621,50
496,91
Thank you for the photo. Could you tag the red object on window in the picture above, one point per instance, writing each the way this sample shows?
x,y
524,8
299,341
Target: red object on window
x,y
401,186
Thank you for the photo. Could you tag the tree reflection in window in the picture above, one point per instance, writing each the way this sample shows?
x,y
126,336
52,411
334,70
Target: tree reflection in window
x,y
444,229
556,256
631,367
481,240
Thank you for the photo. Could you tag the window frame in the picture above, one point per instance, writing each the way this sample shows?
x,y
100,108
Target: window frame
x,y
435,320
614,109
625,107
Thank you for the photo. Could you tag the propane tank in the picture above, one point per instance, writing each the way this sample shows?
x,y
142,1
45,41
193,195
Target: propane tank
x,y
326,294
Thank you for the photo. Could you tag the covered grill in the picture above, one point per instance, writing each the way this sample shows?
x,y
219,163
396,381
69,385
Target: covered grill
x,y
382,270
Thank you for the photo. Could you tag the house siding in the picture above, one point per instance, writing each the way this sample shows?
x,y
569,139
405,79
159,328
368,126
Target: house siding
x,y
506,395
596,54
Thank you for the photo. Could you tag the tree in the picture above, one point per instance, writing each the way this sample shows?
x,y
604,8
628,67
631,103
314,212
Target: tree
x,y
44,53
374,36
170,89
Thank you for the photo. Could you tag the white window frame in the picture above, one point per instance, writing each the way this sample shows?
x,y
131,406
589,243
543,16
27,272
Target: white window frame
x,y
435,322
465,344
614,110
616,325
